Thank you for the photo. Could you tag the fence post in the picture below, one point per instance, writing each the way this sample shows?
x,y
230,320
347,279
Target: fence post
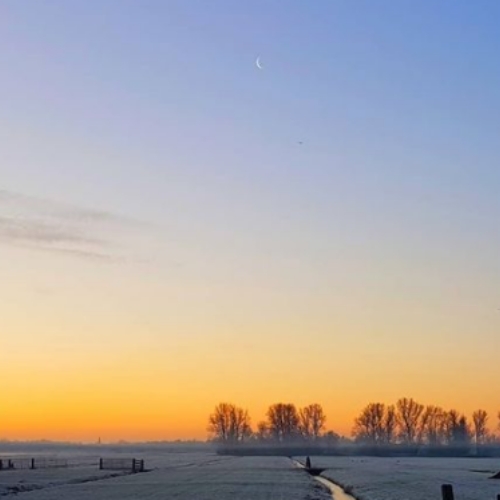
x,y
100,464
447,492
32,463
133,465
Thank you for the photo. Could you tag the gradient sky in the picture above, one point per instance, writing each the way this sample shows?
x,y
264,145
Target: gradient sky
x,y
179,228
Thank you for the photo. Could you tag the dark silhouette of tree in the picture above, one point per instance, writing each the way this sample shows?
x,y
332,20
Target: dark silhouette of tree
x,y
457,429
390,424
369,425
408,416
480,420
451,425
330,438
463,433
312,421
229,424
262,433
283,422
432,426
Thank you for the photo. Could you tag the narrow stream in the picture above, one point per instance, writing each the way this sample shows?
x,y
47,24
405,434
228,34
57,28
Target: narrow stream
x,y
337,491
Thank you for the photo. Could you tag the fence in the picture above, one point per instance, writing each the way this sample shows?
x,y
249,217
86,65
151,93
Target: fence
x,y
18,463
131,464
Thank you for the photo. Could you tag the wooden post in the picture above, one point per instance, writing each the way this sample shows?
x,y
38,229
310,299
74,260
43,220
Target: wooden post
x,y
32,463
100,464
447,492
133,465
1,464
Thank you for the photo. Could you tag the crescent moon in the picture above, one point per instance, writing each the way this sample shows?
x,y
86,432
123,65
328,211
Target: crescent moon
x,y
258,64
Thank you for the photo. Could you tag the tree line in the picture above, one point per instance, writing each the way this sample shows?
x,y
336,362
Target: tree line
x,y
284,423
411,423
407,422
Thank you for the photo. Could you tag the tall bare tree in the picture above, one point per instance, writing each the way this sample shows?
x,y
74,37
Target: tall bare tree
x,y
283,422
457,429
229,424
480,420
390,424
369,425
451,426
408,414
432,426
463,433
312,421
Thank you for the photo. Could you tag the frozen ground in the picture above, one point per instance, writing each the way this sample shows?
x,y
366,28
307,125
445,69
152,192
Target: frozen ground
x,y
203,475
22,481
182,476
412,478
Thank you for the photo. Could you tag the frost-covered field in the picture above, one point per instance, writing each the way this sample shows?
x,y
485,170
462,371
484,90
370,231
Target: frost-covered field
x,y
182,476
413,478
194,474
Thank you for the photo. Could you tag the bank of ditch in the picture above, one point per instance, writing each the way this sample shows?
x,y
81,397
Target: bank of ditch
x,y
338,493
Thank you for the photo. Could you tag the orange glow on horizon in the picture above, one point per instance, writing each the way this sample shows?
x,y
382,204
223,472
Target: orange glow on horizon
x,y
75,423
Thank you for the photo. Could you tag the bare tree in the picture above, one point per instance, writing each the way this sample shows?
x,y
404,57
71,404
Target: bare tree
x,y
390,424
312,421
422,425
480,419
369,425
229,424
283,422
451,426
408,414
457,429
432,426
463,433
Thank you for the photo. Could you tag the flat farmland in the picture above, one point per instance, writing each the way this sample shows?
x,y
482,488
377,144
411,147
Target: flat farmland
x,y
370,478
182,476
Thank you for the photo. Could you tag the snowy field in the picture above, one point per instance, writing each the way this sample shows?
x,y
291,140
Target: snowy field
x,y
181,476
412,478
201,474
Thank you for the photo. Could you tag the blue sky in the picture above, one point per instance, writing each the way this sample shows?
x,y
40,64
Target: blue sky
x,y
383,96
157,108
351,184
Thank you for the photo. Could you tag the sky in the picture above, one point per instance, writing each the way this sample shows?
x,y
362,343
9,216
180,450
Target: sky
x,y
179,227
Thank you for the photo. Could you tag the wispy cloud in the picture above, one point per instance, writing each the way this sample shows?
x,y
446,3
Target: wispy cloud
x,y
49,208
51,226
16,229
